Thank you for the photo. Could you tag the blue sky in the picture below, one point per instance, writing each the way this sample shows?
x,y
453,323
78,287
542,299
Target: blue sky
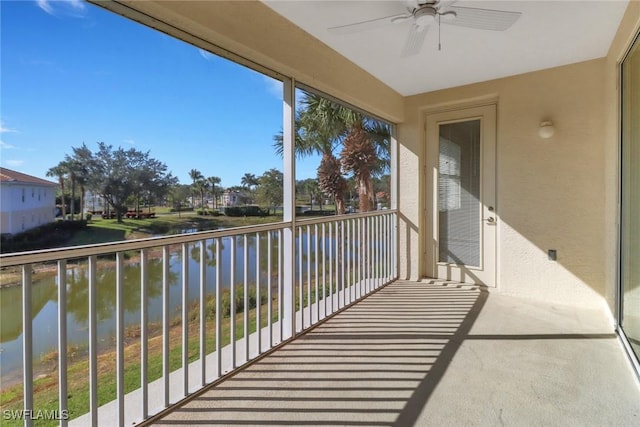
x,y
73,73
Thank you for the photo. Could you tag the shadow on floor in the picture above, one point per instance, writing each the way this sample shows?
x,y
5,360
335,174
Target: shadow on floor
x,y
376,363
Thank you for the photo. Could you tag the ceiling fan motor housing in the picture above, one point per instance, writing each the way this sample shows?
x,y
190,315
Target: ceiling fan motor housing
x,y
425,16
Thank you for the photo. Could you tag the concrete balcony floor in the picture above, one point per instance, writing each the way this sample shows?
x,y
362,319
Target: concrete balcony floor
x,y
434,354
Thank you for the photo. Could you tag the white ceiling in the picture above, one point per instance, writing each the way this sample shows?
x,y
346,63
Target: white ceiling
x,y
547,34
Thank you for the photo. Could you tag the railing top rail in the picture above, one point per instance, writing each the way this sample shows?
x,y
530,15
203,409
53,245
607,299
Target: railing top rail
x,y
48,255
319,220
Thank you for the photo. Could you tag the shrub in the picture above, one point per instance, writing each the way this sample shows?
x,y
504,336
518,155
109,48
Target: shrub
x,y
88,216
42,237
244,211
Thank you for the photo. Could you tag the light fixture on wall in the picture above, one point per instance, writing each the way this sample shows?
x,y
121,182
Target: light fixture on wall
x,y
546,129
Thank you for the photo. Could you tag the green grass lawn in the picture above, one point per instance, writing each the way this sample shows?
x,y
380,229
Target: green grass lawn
x,y
110,230
46,392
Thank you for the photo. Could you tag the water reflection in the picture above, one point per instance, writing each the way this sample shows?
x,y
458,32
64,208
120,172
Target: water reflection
x,y
44,292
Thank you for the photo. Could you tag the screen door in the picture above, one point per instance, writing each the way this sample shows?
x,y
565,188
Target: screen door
x,y
462,208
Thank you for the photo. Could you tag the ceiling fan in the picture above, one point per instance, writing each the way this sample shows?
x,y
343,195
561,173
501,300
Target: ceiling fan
x,y
423,13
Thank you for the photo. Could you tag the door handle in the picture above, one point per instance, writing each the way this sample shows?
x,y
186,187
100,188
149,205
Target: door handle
x,y
491,220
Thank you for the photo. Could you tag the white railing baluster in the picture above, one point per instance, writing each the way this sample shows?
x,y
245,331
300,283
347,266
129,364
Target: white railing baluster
x,y
379,248
367,258
62,340
300,282
203,312
394,248
232,304
245,311
351,270
356,248
258,302
355,259
333,281
219,315
27,342
340,234
315,259
324,270
375,266
387,243
93,343
185,318
308,229
120,328
352,256
269,290
280,285
144,332
166,313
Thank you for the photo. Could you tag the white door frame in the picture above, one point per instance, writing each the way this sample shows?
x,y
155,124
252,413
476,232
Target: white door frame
x,y
486,272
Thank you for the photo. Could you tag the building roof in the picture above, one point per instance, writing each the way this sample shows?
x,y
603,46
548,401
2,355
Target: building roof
x,y
8,175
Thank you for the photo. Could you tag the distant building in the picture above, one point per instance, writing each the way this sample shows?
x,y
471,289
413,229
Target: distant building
x,y
234,198
25,201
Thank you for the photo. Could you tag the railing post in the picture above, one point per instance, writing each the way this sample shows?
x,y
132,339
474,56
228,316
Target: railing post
x,y
218,307
185,317
27,344
203,312
258,298
166,327
120,326
289,110
144,333
93,343
62,339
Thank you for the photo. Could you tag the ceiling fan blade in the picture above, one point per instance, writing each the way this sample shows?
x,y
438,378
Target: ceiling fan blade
x,y
415,40
367,25
482,19
444,4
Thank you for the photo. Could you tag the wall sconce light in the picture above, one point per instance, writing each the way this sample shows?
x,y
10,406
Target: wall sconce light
x,y
546,129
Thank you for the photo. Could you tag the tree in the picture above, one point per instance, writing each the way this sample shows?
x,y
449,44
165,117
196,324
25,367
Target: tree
x,y
150,178
195,176
269,191
118,175
202,185
60,171
249,181
179,193
309,187
359,157
365,154
81,159
320,127
213,181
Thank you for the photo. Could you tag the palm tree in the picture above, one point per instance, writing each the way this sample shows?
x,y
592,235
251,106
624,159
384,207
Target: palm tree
x,y
365,153
212,181
320,128
323,126
249,180
202,185
195,176
60,171
77,173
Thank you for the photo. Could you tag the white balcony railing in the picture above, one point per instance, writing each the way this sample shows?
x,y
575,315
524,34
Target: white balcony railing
x,y
218,299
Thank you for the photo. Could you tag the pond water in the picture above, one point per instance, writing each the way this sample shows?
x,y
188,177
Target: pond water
x,y
45,306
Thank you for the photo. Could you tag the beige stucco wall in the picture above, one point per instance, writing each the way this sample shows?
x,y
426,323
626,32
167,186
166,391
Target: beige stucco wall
x,y
550,193
627,31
